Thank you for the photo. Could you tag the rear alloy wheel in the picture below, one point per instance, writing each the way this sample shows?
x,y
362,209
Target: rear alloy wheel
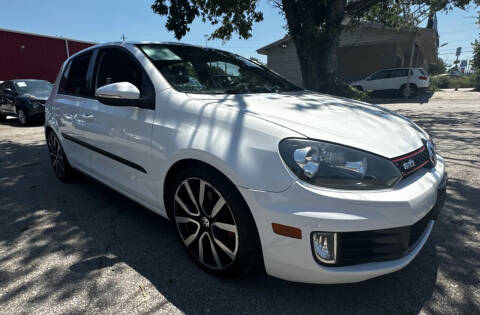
x,y
214,225
57,157
408,93
22,117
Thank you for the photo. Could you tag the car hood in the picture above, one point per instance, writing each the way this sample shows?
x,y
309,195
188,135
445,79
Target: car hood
x,y
357,82
34,97
323,117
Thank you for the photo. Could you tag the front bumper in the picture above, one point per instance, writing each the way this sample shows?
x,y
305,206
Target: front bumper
x,y
315,209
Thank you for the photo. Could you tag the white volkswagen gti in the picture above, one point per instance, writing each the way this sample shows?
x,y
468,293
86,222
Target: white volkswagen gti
x,y
251,169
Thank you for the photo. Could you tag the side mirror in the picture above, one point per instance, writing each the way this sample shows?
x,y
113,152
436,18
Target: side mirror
x,y
118,91
8,91
368,78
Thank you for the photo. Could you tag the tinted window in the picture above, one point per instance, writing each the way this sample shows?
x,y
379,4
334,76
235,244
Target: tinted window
x,y
380,75
37,88
74,78
422,71
397,73
209,71
116,65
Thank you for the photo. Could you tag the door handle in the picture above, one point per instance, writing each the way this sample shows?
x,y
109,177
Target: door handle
x,y
88,117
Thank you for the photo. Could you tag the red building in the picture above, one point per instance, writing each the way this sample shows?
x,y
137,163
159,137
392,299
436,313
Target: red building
x,y
33,56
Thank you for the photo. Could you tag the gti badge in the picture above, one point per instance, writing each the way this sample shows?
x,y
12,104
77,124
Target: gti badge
x,y
408,165
431,153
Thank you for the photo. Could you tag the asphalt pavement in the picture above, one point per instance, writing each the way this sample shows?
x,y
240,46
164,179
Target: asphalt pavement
x,y
83,248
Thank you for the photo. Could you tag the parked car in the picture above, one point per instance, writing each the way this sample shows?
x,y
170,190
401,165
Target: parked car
x,y
24,99
250,168
395,80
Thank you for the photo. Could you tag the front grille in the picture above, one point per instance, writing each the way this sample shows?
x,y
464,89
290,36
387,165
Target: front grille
x,y
379,245
412,162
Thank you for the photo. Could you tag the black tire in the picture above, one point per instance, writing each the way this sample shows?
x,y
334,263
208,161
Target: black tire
x,y
60,165
209,228
22,117
413,90
3,117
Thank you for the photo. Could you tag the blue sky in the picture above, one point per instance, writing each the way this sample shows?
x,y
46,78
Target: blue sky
x,y
107,20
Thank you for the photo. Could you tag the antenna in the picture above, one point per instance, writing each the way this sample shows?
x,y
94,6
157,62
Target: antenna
x,y
124,37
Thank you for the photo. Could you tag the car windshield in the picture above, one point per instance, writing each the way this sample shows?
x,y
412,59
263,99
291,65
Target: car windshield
x,y
36,88
192,69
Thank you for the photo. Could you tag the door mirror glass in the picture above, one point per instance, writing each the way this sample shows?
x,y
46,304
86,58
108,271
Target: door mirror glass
x,y
118,91
8,91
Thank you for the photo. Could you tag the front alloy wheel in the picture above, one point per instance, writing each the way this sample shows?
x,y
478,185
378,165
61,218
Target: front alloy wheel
x,y
206,224
213,222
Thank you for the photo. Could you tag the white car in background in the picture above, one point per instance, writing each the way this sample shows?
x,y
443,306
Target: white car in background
x,y
250,168
395,80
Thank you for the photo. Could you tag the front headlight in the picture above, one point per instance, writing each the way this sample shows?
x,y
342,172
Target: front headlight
x,y
335,166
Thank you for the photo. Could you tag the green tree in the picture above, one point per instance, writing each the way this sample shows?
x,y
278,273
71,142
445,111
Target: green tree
x,y
476,55
476,60
314,25
438,68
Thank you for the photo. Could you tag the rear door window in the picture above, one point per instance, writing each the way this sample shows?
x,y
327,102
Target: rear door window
x,y
380,75
422,71
74,78
398,73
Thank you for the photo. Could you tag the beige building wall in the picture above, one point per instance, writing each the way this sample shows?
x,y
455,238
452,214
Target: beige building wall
x,y
355,63
284,61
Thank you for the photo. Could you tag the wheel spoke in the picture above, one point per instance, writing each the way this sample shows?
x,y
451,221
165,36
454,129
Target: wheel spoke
x,y
214,252
201,194
200,248
226,227
184,207
218,206
190,193
223,247
184,220
193,236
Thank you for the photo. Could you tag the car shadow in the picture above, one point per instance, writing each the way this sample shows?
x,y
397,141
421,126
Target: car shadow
x,y
380,98
41,217
13,122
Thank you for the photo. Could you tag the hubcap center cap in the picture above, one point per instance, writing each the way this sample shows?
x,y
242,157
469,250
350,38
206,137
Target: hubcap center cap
x,y
205,222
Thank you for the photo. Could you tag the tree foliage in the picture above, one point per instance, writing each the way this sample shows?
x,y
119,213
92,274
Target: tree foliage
x,y
438,68
314,25
231,16
476,60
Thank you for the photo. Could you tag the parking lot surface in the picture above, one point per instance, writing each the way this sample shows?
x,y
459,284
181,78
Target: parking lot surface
x,y
81,247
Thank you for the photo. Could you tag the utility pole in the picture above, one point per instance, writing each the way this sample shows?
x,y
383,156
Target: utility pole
x,y
410,63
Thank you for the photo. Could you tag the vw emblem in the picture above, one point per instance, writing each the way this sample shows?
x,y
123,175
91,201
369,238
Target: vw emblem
x,y
431,153
205,222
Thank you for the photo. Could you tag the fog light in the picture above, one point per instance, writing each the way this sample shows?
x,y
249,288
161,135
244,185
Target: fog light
x,y
325,247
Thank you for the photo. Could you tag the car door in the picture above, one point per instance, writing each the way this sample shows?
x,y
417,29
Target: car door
x,y
2,85
66,106
119,132
377,81
8,98
398,77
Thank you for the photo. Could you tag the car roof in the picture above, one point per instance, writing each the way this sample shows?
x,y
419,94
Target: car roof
x,y
134,43
15,80
401,68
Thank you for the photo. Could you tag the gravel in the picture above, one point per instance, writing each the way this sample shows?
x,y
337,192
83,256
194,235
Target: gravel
x,y
83,248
